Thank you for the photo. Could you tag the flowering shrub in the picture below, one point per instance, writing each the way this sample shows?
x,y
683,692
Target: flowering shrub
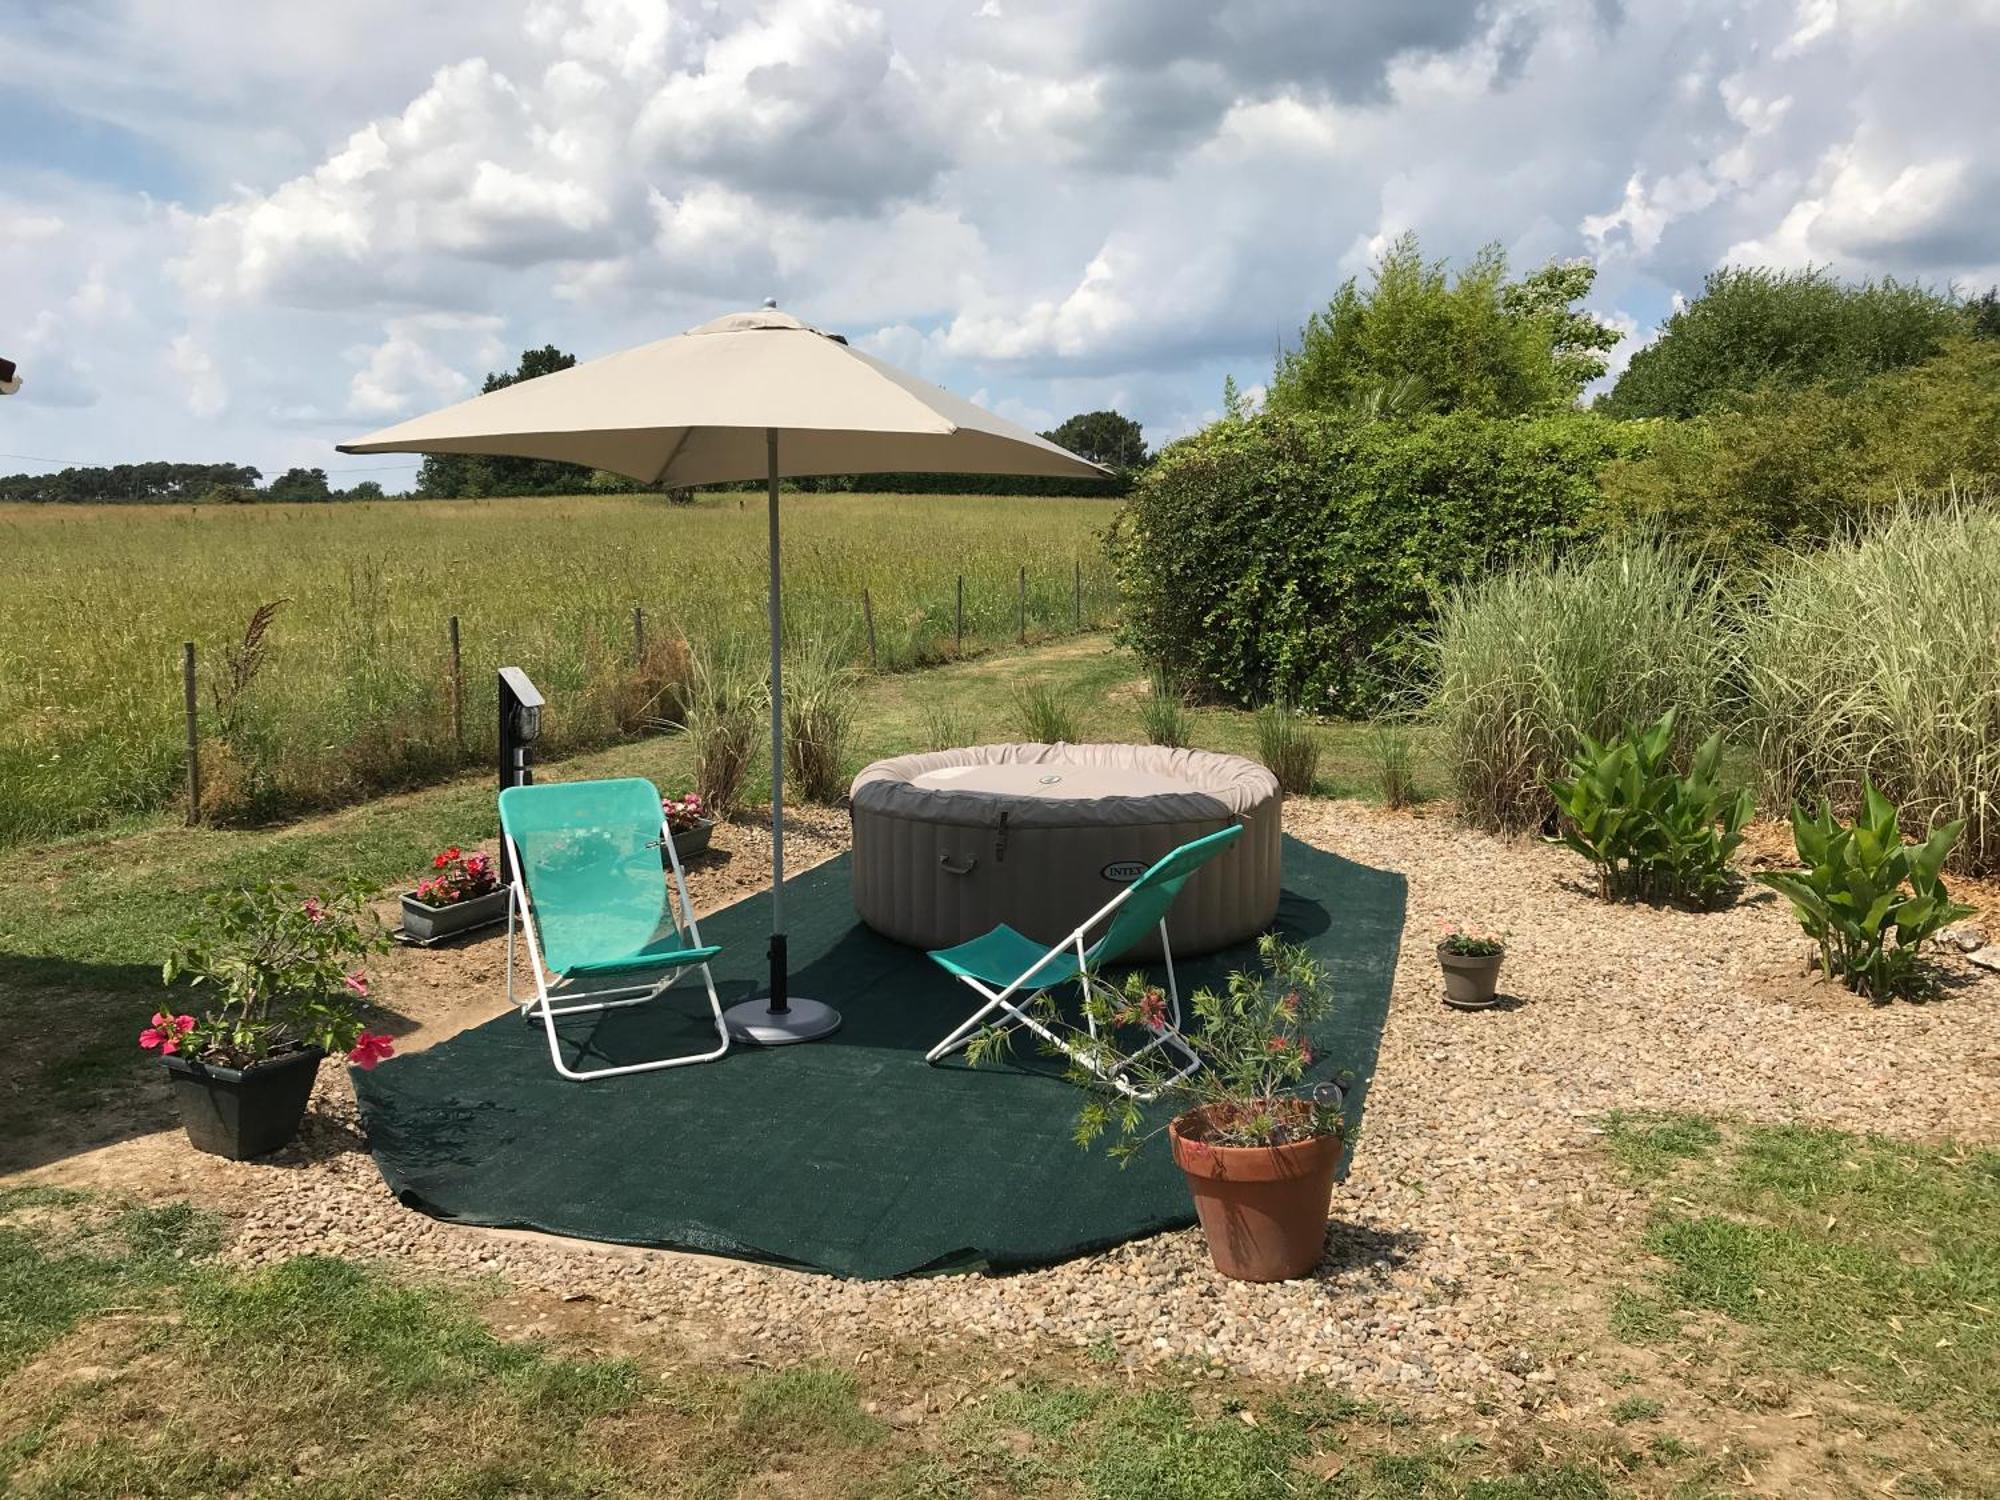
x,y
683,814
1253,1040
1467,943
460,877
282,972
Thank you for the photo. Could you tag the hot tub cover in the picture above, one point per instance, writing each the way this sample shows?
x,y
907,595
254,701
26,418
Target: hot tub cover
x,y
949,843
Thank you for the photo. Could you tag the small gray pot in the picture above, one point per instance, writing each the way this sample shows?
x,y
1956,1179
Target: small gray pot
x,y
1469,982
426,924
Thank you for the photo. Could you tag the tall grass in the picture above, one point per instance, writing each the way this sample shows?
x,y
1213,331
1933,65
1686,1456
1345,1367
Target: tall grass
x,y
1880,657
1164,716
1288,747
354,694
1526,660
821,687
728,696
1044,714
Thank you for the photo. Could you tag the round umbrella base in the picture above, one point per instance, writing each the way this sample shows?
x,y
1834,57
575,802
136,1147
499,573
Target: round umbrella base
x,y
802,1021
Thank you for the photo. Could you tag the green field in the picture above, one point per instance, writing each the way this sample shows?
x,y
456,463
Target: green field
x,y
353,696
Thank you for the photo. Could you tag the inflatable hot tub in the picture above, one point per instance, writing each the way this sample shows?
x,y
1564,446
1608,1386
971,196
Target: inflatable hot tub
x,y
949,843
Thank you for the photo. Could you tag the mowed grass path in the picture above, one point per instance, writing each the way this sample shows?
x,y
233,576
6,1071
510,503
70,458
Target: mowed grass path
x,y
353,693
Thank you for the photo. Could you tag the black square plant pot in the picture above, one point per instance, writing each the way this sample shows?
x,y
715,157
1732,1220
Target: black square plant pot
x,y
241,1113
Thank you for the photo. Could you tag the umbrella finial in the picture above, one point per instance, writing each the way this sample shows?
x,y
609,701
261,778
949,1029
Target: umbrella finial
x,y
770,301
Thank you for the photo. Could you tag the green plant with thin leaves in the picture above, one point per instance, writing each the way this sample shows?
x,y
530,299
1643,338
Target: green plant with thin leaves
x,y
1164,715
1651,832
1252,1037
1045,714
1288,747
1394,752
944,728
821,688
728,696
1869,900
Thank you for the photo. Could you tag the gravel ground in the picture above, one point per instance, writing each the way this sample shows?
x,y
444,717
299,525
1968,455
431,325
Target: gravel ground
x,y
1477,1202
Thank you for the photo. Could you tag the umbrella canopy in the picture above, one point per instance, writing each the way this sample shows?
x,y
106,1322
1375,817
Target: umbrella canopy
x,y
751,395
695,409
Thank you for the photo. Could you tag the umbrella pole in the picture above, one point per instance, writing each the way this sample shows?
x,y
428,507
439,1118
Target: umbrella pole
x,y
781,1016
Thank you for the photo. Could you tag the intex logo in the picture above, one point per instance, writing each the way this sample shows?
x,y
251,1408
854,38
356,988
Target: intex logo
x,y
1123,871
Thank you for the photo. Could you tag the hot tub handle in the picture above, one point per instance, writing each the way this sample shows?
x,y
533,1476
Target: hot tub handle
x,y
945,864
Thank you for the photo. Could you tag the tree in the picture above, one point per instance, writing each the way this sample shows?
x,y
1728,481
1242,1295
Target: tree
x,y
300,485
1753,327
1421,340
1104,437
368,489
1982,314
452,475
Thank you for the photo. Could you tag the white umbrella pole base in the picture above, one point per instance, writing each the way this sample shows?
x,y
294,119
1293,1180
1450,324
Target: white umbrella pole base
x,y
800,1021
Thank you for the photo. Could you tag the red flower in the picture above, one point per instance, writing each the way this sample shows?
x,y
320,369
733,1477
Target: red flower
x,y
370,1048
1277,1046
315,912
164,1035
1290,1004
1153,1010
358,983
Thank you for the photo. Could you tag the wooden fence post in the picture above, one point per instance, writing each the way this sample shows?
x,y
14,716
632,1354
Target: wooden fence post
x,y
961,615
868,615
193,711
1023,635
638,634
457,685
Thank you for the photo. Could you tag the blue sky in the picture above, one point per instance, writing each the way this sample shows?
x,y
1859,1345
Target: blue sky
x,y
243,231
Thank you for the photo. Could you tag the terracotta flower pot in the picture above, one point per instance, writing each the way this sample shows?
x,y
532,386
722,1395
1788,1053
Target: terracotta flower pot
x,y
1470,981
1262,1208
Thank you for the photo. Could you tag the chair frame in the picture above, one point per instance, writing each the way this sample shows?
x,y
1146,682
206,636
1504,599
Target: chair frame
x,y
1107,1068
579,1000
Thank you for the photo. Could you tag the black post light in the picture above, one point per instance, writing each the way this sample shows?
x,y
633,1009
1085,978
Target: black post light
x,y
520,727
10,377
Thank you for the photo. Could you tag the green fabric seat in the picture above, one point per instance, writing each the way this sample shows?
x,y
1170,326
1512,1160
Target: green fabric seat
x,y
1004,955
666,953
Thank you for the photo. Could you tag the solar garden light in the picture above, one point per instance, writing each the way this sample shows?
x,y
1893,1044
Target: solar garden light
x,y
10,378
520,727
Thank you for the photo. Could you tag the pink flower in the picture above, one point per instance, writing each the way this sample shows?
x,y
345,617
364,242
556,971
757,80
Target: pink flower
x,y
183,1024
1290,1004
164,1035
358,983
370,1048
1277,1046
315,912
1153,1010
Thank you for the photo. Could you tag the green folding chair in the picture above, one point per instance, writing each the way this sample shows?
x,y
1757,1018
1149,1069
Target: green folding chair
x,y
588,891
1012,971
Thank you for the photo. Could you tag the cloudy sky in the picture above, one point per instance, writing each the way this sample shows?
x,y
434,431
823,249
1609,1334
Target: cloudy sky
x,y
231,229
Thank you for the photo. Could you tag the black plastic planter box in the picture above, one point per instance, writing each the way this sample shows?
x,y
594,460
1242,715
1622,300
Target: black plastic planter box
x,y
243,1112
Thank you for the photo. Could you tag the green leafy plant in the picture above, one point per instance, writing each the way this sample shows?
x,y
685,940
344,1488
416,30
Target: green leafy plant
x,y
280,968
1467,943
1044,714
1252,1038
1288,747
1869,900
1651,832
1164,715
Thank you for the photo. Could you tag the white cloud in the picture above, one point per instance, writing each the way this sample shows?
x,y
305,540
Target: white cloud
x,y
200,383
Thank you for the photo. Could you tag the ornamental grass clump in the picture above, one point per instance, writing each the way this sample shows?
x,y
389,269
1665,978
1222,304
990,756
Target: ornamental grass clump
x,y
1867,899
280,970
1527,664
1164,716
1878,660
1652,833
1045,715
728,696
821,694
1288,747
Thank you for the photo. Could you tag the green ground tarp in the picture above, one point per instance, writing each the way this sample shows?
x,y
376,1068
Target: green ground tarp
x,y
851,1154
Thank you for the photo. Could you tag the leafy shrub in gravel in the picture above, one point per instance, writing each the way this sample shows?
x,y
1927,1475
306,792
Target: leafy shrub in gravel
x,y
1651,832
1863,886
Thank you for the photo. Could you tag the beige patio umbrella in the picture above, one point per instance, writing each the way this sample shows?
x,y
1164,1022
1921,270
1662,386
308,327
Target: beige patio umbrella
x,y
748,396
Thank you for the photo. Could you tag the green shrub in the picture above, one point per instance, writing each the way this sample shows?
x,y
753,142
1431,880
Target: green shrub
x,y
1164,715
1795,467
820,697
1876,659
1288,747
1298,558
1044,714
1861,886
1753,327
1651,832
1528,663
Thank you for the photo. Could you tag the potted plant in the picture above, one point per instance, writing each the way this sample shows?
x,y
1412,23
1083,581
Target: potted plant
x,y
1258,1145
690,823
281,970
1471,964
463,891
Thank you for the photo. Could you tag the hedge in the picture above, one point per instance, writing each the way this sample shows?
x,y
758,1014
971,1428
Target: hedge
x,y
1300,558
